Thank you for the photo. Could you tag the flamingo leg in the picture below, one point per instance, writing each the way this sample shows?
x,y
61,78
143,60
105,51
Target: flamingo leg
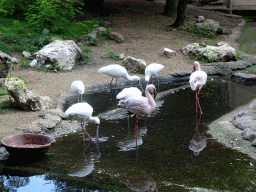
x,y
197,103
85,132
111,81
157,81
151,79
136,129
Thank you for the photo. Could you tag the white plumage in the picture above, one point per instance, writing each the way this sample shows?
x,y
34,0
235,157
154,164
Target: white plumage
x,y
198,78
129,92
77,86
117,71
152,69
83,111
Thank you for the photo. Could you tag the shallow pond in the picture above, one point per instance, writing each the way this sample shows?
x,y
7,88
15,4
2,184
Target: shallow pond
x,y
162,161
248,39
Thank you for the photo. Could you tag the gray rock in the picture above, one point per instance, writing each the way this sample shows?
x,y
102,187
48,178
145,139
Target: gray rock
x,y
49,121
222,52
57,111
102,29
25,98
134,65
248,134
210,25
116,36
169,52
14,60
5,64
26,54
200,18
244,77
121,56
29,128
60,54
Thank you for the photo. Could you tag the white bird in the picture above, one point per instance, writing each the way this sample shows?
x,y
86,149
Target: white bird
x,y
140,105
79,87
83,111
197,80
129,92
118,71
152,69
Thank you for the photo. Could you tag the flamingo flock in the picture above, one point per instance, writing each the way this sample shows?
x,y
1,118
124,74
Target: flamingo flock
x,y
131,98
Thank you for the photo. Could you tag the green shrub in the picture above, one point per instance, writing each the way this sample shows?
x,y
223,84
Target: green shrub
x,y
51,14
4,48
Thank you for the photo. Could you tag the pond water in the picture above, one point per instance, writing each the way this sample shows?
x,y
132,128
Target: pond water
x,y
162,161
248,39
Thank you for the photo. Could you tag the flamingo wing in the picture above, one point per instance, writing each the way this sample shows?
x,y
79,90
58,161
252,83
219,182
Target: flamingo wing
x,y
114,70
197,80
80,110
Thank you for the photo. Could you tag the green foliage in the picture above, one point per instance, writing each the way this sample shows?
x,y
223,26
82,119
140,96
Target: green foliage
x,y
14,8
112,55
52,14
203,32
208,56
24,64
107,32
238,55
249,18
4,48
84,59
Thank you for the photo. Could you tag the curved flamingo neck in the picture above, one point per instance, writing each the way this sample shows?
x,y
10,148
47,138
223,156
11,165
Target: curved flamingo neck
x,y
197,66
151,101
130,78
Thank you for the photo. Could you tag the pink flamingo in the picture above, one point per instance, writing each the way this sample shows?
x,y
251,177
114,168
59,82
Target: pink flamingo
x,y
140,105
197,79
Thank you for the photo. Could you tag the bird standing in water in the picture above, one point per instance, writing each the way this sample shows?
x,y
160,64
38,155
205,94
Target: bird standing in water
x,y
83,111
197,80
118,71
152,69
140,105
79,87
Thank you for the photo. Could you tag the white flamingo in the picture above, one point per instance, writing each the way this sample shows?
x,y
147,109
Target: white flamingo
x,y
118,71
197,80
152,69
83,111
129,92
79,87
140,105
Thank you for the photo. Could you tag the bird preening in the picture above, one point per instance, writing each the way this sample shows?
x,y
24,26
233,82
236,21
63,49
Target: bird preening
x,y
197,80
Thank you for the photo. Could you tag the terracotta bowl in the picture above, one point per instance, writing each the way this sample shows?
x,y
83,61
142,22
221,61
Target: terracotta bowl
x,y
28,144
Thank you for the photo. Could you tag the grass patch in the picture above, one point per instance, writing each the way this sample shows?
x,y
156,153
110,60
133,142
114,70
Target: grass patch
x,y
112,55
251,69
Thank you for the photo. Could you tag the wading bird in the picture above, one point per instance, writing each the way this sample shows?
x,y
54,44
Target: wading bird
x,y
118,71
152,69
79,87
140,105
83,112
197,79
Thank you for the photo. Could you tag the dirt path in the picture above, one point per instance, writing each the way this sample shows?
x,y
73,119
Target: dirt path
x,y
146,35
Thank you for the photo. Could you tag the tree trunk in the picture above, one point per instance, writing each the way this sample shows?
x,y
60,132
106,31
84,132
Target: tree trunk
x,y
170,8
181,14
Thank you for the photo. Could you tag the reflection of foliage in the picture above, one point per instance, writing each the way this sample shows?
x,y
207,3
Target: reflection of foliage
x,y
11,182
208,89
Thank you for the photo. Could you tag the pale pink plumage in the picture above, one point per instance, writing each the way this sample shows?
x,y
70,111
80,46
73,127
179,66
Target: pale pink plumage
x,y
140,105
197,79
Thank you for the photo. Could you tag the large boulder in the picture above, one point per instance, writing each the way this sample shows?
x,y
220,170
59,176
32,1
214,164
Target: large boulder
x,y
5,64
222,52
58,54
25,98
209,24
134,65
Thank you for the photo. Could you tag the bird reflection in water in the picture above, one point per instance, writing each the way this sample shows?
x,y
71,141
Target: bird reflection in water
x,y
86,164
137,179
198,141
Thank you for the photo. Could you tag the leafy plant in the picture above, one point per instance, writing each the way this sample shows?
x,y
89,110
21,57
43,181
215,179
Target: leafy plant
x,y
239,55
84,59
112,55
107,32
52,14
24,64
4,48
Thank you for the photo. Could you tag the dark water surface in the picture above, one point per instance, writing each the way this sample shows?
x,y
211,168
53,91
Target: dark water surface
x,y
163,160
